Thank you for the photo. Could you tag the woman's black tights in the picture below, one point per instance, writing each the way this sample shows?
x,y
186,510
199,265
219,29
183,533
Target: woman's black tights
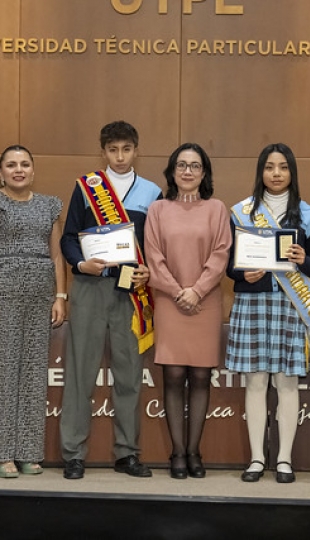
x,y
189,401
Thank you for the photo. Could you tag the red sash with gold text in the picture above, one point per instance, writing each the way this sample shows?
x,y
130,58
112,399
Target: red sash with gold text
x,y
108,209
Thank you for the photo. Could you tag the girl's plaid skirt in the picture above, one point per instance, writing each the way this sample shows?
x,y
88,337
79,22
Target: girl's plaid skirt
x,y
266,334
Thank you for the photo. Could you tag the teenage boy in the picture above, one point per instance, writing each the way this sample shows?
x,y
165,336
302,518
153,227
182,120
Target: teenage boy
x,y
103,197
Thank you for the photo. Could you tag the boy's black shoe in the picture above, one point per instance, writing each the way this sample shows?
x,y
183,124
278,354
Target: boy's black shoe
x,y
74,469
132,466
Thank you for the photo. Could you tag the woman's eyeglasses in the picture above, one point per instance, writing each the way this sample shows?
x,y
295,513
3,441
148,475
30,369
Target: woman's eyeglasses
x,y
194,167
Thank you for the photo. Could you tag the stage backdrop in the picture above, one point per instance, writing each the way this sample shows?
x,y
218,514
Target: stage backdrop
x,y
232,75
224,443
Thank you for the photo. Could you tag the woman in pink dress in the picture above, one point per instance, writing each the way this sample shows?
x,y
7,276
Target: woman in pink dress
x,y
187,240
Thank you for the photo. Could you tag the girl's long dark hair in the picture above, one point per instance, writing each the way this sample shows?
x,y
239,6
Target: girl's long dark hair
x,y
292,217
206,185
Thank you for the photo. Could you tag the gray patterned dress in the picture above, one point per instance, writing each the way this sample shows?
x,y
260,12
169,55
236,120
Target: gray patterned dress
x,y
27,283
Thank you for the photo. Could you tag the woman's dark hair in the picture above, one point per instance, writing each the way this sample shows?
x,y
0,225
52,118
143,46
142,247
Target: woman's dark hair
x,y
15,148
206,185
292,216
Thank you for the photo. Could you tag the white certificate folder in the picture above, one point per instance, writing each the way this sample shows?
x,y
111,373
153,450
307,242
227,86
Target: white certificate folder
x,y
259,248
113,243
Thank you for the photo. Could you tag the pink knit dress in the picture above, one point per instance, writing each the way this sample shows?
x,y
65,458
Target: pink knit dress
x,y
187,245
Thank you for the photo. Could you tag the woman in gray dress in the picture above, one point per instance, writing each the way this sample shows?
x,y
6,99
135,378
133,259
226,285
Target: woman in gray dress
x,y
32,296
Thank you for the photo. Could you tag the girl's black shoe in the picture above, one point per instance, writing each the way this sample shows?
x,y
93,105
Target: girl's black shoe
x,y
285,477
253,476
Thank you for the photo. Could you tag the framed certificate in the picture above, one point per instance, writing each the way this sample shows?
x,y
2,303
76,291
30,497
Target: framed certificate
x,y
111,243
263,248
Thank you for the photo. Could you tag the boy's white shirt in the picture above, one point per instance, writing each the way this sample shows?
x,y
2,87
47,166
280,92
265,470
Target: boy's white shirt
x,y
121,182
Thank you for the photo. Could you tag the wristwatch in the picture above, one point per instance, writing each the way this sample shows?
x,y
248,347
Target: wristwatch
x,y
62,295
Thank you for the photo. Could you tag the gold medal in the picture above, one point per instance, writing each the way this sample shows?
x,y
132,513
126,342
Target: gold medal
x,y
147,312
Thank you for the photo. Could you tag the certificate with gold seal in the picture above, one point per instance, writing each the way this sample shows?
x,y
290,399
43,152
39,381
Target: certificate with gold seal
x,y
263,248
111,243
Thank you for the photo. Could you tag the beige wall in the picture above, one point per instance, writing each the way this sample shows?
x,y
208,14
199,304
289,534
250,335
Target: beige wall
x,y
232,104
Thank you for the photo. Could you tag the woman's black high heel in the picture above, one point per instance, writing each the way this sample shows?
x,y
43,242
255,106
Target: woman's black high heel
x,y
178,468
195,466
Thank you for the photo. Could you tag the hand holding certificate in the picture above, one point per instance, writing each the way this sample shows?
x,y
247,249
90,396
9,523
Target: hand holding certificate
x,y
111,243
263,248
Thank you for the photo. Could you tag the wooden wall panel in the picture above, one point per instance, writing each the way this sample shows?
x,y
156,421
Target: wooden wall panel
x,y
232,105
235,105
77,94
9,76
